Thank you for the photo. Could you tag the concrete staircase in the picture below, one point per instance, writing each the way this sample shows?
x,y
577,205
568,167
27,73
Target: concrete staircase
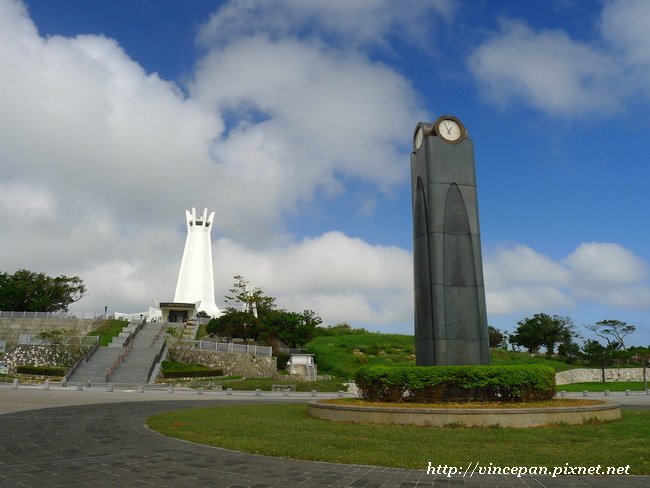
x,y
135,368
95,369
146,346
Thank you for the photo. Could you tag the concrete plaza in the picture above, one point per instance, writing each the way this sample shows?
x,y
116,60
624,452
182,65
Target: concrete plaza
x,y
94,438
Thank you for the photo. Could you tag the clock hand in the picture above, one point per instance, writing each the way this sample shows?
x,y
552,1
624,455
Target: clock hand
x,y
448,127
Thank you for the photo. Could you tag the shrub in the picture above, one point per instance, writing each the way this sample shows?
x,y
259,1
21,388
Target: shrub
x,y
193,373
530,382
42,370
282,360
171,369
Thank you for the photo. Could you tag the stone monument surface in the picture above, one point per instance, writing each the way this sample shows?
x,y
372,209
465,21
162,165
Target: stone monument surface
x,y
450,312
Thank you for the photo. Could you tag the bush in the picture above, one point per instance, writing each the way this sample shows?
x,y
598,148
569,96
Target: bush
x,y
193,373
42,370
456,383
282,360
171,369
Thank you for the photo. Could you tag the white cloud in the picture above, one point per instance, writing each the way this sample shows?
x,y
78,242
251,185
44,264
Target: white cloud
x,y
547,70
608,273
625,23
602,263
340,112
324,118
517,298
522,265
99,159
519,279
351,24
342,278
560,75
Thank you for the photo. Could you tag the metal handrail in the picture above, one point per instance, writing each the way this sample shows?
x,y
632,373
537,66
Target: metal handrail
x,y
116,363
82,359
156,360
134,333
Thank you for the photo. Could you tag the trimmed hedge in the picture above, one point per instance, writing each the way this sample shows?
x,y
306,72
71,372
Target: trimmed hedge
x,y
172,369
42,370
429,384
192,373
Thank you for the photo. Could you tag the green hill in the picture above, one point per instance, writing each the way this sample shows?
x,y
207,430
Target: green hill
x,y
342,355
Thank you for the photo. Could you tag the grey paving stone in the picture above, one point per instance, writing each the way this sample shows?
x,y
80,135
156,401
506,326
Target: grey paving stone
x,y
106,444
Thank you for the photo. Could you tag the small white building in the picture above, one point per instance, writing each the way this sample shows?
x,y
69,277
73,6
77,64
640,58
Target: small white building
x,y
302,365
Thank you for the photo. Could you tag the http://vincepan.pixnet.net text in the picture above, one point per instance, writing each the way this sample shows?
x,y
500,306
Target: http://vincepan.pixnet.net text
x,y
476,468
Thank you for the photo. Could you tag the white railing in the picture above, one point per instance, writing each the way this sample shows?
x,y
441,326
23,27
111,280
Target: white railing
x,y
235,348
50,315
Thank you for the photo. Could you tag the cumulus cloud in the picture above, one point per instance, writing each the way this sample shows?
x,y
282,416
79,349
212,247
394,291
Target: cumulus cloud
x,y
557,74
609,274
352,24
547,70
624,23
342,278
324,117
519,279
99,158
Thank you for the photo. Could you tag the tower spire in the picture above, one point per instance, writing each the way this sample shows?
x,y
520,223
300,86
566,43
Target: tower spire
x,y
195,278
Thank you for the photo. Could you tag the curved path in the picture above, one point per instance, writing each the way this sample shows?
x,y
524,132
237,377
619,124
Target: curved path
x,y
106,444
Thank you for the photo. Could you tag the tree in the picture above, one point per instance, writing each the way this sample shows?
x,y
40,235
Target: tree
x,y
613,331
253,315
543,330
294,329
27,291
569,351
595,354
496,337
642,355
253,301
235,323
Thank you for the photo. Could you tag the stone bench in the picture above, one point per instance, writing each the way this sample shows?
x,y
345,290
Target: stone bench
x,y
283,387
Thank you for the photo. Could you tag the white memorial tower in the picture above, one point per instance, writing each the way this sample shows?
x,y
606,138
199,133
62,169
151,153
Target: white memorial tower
x,y
195,278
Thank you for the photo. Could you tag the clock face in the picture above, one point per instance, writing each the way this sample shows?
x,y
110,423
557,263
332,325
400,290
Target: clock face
x,y
449,130
418,138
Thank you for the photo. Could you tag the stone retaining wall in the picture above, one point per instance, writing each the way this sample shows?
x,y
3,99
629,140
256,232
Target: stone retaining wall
x,y
245,365
582,375
35,356
12,327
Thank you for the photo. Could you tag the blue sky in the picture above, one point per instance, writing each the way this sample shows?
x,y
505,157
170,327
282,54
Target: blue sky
x,y
293,120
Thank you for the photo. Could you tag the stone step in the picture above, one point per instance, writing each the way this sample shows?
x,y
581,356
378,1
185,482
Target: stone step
x,y
146,344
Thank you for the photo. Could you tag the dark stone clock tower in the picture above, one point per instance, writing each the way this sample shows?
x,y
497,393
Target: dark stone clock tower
x,y
450,313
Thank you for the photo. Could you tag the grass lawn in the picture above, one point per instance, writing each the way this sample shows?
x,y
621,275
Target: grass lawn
x,y
251,384
342,355
107,330
201,332
600,386
503,357
287,431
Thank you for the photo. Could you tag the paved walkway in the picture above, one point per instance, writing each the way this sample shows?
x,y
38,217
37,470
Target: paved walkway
x,y
94,438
